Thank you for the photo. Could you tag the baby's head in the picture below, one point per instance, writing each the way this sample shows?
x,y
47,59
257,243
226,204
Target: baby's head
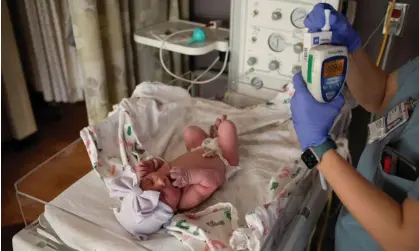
x,y
146,204
157,181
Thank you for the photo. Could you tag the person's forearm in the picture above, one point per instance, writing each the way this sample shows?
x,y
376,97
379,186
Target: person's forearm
x,y
366,82
378,213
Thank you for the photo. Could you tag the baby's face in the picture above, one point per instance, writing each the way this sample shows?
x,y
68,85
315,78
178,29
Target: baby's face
x,y
169,194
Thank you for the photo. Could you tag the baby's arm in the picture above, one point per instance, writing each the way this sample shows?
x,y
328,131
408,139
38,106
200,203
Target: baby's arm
x,y
203,183
147,166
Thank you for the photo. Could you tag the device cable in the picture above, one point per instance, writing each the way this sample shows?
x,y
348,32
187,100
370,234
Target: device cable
x,y
184,79
374,32
203,73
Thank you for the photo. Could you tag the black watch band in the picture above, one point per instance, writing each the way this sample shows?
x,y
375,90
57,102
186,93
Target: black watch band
x,y
312,156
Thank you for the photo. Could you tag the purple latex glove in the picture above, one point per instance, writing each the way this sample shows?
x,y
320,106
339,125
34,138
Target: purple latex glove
x,y
342,31
312,120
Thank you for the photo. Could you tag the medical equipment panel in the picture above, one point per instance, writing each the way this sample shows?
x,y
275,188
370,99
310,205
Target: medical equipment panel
x,y
266,43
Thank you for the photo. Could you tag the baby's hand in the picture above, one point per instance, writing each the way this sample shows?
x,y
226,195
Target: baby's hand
x,y
143,168
180,176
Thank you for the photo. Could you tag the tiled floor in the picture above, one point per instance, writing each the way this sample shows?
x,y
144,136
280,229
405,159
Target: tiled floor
x,y
52,136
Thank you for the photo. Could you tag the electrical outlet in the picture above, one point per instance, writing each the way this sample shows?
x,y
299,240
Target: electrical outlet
x,y
398,17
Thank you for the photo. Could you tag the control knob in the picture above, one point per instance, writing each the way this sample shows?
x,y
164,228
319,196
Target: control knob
x,y
298,48
276,15
251,61
296,69
256,82
273,65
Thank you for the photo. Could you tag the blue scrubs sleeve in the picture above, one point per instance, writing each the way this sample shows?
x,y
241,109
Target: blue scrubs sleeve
x,y
407,82
350,235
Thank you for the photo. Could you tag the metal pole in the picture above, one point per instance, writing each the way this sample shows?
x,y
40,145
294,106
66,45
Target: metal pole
x,y
387,52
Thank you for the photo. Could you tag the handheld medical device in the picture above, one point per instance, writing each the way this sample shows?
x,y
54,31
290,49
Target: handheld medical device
x,y
325,65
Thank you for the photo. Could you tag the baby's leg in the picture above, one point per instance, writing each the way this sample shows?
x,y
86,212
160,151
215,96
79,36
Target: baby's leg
x,y
193,136
228,141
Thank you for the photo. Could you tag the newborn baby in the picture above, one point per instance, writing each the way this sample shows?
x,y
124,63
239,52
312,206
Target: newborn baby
x,y
191,178
161,188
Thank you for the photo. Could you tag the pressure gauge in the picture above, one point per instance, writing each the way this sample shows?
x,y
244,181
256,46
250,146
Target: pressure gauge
x,y
297,17
276,42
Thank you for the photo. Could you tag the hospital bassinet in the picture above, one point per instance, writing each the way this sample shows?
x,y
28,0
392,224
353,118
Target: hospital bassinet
x,y
71,168
73,204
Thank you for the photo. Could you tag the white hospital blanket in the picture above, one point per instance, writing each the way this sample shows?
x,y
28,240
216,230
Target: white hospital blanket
x,y
267,144
209,229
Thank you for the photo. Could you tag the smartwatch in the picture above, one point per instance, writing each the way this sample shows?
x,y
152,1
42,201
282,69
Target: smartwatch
x,y
312,156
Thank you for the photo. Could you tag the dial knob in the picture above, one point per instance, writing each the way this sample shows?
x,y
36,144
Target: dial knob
x,y
255,12
298,48
296,69
251,61
256,82
273,65
276,15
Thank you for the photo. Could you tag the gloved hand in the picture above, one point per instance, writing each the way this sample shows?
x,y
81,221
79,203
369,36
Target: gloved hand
x,y
312,120
342,31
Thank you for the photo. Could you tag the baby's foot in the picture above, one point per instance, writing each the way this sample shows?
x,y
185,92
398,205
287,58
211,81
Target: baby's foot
x,y
214,128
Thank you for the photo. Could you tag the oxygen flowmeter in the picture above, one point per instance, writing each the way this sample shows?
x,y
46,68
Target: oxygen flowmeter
x,y
325,65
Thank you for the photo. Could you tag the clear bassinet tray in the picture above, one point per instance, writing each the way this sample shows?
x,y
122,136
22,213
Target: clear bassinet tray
x,y
48,180
46,192
64,199
65,204
42,185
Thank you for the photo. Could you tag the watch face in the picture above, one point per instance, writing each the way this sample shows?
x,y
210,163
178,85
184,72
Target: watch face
x,y
309,159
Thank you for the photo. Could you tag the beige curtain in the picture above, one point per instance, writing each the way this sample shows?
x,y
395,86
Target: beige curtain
x,y
53,65
111,62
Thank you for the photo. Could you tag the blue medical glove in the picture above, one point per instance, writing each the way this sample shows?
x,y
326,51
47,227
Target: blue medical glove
x,y
312,120
342,31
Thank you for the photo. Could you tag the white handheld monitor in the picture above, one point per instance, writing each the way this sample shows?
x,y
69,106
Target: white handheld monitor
x,y
325,71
